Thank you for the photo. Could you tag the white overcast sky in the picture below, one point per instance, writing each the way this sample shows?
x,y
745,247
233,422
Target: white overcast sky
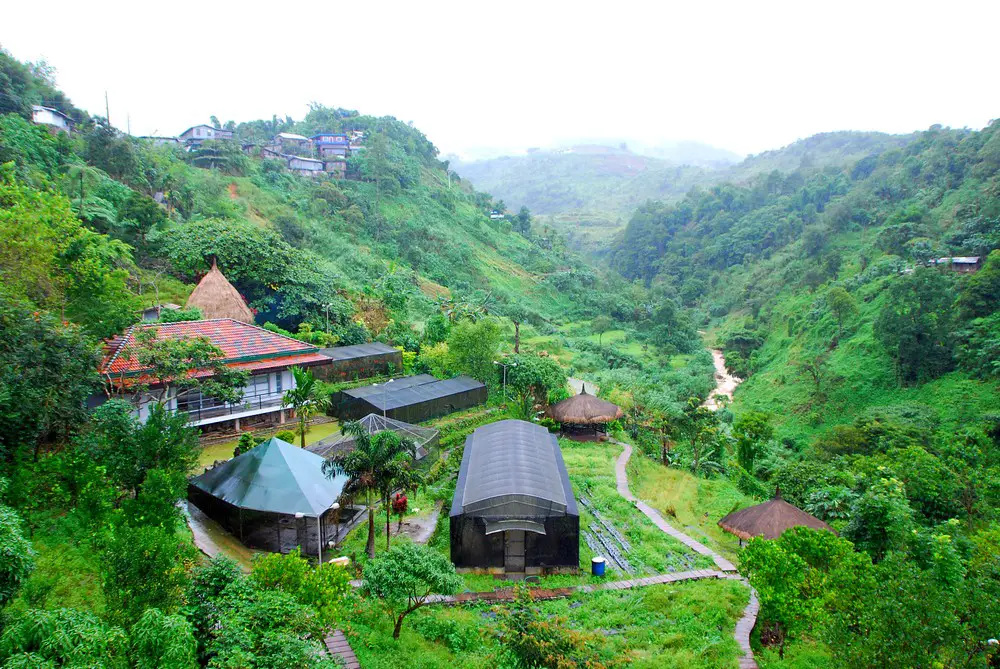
x,y
481,76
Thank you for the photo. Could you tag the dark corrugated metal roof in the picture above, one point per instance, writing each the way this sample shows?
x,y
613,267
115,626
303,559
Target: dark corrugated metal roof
x,y
358,351
513,469
412,390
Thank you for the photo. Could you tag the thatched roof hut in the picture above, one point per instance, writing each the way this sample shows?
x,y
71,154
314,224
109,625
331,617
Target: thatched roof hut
x,y
769,520
585,409
217,298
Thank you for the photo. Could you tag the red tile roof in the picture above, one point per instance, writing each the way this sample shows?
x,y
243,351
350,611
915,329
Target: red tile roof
x,y
244,346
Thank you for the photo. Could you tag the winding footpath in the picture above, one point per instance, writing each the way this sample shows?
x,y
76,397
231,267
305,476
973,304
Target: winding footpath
x,y
726,568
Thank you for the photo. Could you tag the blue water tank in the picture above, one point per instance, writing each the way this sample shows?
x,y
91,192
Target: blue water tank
x,y
597,566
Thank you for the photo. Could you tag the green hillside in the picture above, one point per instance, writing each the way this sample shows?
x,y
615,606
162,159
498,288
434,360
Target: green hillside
x,y
872,378
588,193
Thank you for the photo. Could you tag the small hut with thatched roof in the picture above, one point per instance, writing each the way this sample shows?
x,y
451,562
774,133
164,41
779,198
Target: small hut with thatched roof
x,y
584,415
217,298
769,520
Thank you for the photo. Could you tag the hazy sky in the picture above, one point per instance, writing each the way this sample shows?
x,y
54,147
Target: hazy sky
x,y
503,76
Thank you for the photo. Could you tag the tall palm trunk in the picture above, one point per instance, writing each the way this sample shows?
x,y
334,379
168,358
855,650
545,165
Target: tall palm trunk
x,y
371,529
388,518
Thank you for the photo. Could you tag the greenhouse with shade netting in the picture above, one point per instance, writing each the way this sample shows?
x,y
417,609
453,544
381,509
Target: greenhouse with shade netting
x,y
425,438
514,509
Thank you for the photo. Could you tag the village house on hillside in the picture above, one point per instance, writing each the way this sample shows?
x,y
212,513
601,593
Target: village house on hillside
x,y
961,264
266,355
331,144
52,118
285,142
195,135
306,167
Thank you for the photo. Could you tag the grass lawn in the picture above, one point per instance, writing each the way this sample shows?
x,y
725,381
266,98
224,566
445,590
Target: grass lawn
x,y
691,504
679,625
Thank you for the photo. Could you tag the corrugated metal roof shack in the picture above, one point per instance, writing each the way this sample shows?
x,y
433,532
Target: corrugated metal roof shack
x,y
412,399
514,509
360,362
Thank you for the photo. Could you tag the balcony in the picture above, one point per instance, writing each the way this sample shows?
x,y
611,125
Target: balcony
x,y
206,411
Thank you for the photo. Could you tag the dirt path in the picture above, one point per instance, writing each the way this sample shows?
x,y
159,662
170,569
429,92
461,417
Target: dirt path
x,y
725,383
420,528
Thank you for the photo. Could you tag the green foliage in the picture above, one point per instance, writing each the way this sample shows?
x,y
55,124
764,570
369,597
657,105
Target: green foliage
x,y
17,558
881,519
403,577
129,449
64,637
532,378
472,348
753,430
538,640
249,441
322,587
916,326
47,372
49,259
142,568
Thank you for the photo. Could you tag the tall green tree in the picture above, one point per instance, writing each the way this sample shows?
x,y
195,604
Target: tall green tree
x,y
306,398
916,325
406,576
374,467
472,348
753,430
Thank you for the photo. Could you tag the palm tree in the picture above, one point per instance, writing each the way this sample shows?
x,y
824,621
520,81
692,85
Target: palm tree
x,y
305,399
378,464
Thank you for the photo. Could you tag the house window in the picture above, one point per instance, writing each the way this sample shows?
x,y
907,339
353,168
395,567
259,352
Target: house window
x,y
277,378
259,385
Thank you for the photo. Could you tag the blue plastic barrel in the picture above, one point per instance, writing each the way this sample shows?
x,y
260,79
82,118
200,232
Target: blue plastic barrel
x,y
597,566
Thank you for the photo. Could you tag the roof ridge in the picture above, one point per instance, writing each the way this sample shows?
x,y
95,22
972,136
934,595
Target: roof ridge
x,y
291,469
121,345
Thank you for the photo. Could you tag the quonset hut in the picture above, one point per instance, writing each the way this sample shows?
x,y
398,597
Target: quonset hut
x,y
273,497
514,509
411,399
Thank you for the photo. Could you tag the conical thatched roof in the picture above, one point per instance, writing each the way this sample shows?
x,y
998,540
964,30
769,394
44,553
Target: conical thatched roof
x,y
585,409
769,520
217,298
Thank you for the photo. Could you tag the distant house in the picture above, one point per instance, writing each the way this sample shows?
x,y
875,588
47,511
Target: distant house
x,y
496,215
161,141
287,141
357,139
304,166
332,144
195,135
336,168
52,118
267,356
961,264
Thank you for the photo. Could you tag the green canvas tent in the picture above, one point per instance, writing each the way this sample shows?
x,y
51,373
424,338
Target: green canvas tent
x,y
267,493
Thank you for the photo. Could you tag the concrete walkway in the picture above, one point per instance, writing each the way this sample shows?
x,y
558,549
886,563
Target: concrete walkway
x,y
746,624
621,477
337,646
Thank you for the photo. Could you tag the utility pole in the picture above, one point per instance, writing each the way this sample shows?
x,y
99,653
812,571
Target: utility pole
x,y
107,109
505,366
